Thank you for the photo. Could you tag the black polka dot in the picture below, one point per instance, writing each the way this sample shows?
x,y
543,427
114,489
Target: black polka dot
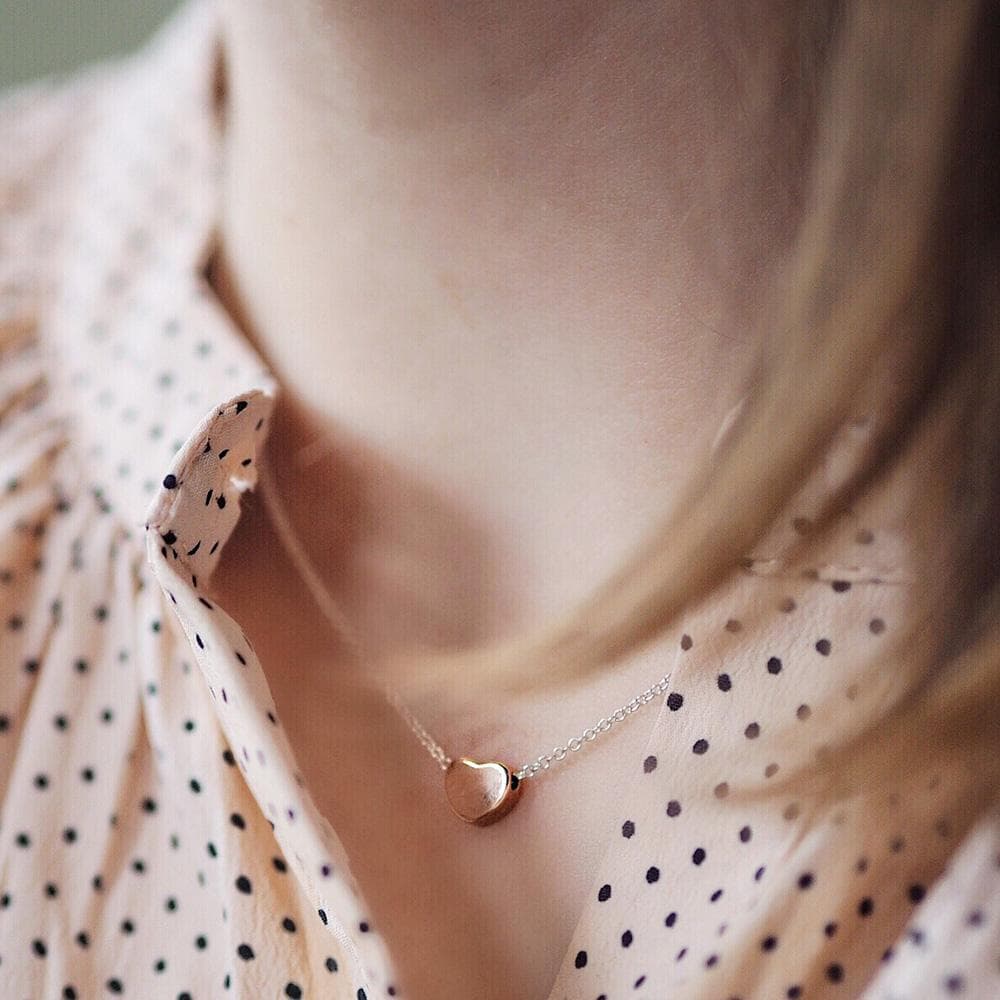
x,y
147,776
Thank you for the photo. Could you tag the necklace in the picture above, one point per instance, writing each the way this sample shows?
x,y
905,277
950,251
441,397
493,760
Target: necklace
x,y
478,792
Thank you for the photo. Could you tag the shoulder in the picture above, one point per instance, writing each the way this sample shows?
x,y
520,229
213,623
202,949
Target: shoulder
x,y
64,157
43,125
36,118
951,946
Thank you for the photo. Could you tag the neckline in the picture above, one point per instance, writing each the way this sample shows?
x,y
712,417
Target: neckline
x,y
625,798
145,111
223,326
605,869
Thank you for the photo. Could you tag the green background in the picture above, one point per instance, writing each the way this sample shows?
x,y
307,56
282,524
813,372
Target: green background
x,y
38,37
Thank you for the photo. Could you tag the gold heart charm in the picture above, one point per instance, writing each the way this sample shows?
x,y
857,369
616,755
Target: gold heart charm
x,y
481,793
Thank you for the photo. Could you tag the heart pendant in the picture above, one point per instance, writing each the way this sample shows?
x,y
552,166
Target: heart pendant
x,y
481,793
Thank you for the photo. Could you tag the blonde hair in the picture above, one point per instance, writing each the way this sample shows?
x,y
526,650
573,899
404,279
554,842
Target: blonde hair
x,y
894,267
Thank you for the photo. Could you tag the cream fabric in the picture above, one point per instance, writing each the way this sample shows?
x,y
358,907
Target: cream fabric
x,y
157,840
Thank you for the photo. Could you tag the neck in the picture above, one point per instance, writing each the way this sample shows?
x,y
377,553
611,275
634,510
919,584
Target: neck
x,y
504,264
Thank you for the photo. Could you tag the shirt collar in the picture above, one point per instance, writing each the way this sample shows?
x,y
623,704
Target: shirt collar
x,y
148,358
169,403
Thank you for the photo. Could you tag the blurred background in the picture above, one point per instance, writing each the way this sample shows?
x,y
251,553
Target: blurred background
x,y
38,37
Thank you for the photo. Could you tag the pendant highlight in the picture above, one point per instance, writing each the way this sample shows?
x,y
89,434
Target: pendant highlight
x,y
481,793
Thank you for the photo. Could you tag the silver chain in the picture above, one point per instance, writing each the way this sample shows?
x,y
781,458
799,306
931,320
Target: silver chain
x,y
341,625
428,741
546,760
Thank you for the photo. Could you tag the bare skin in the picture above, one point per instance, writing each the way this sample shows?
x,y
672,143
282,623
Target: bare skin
x,y
466,911
504,260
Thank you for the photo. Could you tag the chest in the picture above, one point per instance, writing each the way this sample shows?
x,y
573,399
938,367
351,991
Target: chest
x,y
632,854
465,911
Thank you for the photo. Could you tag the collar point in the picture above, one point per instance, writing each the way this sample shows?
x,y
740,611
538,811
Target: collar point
x,y
198,501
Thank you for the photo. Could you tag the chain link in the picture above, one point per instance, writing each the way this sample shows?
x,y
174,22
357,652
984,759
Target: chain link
x,y
338,620
546,760
428,741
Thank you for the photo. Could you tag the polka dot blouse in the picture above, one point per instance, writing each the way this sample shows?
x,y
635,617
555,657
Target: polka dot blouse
x,y
157,839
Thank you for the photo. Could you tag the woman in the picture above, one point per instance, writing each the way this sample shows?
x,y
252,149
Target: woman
x,y
395,392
